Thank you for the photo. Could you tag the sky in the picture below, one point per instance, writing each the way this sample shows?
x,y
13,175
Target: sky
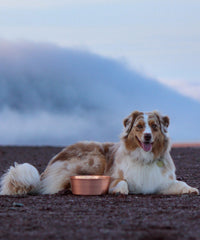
x,y
88,63
158,38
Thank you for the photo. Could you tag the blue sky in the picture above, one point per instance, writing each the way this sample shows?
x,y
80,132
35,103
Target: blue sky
x,y
58,58
158,38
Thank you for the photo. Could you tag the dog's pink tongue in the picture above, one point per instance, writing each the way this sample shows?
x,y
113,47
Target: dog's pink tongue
x,y
147,147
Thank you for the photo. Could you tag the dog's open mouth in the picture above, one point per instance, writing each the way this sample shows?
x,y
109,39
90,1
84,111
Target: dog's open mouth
x,y
146,146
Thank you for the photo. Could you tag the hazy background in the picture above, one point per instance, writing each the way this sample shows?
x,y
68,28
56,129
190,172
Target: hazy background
x,y
73,70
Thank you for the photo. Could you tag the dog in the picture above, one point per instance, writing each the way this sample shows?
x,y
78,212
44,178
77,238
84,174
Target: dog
x,y
140,163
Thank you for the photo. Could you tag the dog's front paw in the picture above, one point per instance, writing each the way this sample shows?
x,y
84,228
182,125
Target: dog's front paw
x,y
179,187
120,188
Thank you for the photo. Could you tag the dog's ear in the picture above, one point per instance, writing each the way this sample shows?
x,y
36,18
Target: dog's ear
x,y
164,121
129,121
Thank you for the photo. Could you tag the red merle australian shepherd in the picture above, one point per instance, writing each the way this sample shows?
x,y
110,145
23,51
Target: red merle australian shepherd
x,y
139,163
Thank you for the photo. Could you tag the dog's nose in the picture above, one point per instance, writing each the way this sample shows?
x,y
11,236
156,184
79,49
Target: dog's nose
x,y
147,137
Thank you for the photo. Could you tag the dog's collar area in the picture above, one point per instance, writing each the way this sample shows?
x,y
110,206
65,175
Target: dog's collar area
x,y
160,163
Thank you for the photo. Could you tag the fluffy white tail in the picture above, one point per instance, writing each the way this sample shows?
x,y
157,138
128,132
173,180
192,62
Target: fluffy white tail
x,y
20,179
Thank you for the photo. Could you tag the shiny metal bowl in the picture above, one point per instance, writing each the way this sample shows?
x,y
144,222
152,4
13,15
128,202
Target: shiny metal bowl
x,y
90,185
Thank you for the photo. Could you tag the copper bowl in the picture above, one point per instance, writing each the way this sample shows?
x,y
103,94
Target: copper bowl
x,y
90,185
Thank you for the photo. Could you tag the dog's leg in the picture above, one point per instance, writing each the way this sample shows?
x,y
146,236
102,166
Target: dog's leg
x,y
54,179
118,186
179,187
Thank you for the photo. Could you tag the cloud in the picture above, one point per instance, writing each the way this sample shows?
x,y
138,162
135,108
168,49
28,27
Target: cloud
x,y
49,78
191,90
46,128
56,96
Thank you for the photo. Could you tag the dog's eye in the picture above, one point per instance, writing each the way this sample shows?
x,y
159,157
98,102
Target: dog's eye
x,y
139,126
154,126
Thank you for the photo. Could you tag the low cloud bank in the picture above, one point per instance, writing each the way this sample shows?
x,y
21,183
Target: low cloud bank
x,y
56,96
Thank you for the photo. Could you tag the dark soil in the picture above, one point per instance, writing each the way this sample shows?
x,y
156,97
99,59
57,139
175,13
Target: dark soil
x,y
65,216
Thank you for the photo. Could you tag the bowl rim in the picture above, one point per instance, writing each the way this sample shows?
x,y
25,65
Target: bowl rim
x,y
89,177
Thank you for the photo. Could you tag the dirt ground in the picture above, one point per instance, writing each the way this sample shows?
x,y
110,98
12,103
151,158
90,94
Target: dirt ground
x,y
65,216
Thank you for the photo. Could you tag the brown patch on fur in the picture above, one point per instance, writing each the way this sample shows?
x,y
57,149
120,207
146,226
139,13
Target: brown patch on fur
x,y
79,170
130,140
160,146
131,145
161,142
131,118
109,151
121,174
115,182
79,150
11,186
86,158
97,168
100,168
66,185
91,162
64,155
165,121
42,176
18,188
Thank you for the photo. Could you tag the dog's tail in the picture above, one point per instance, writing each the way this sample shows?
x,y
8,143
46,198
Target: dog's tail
x,y
20,179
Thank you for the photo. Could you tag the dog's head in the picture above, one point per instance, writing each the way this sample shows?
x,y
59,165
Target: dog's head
x,y
147,131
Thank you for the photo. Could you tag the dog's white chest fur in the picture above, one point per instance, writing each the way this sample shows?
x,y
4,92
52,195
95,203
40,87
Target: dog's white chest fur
x,y
143,176
144,179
